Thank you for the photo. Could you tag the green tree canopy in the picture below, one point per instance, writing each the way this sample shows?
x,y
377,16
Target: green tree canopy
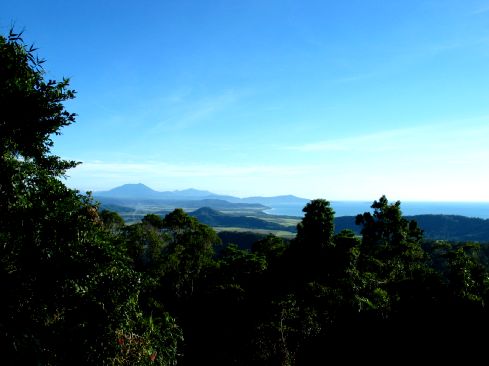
x,y
389,239
316,229
68,292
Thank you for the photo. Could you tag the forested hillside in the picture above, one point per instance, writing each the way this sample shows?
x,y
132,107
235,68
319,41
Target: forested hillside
x,y
437,227
453,228
79,287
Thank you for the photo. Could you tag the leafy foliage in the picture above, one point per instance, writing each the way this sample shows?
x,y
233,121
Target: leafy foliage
x,y
67,287
81,287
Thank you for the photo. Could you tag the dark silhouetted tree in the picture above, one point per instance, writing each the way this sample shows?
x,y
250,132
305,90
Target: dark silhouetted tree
x,y
68,293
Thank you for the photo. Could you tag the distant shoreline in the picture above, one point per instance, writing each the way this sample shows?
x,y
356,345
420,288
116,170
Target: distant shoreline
x,y
353,208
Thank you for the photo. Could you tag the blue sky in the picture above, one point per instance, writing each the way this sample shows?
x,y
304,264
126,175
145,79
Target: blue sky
x,y
343,100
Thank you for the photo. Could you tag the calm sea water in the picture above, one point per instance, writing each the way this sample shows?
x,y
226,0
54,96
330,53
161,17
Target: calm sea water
x,y
352,208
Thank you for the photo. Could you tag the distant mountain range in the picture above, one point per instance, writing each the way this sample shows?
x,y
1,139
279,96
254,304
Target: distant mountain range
x,y
141,192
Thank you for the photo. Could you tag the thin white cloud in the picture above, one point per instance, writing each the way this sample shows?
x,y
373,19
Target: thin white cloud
x,y
481,10
177,96
192,112
400,60
189,170
434,136
404,163
402,176
380,141
424,179
358,77
174,176
169,111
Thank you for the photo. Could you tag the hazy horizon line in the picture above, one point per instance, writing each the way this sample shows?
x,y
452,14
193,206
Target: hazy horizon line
x,y
291,194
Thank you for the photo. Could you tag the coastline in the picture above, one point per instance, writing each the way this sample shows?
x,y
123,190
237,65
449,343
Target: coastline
x,y
353,208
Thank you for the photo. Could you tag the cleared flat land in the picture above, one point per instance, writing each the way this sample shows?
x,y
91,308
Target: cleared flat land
x,y
279,233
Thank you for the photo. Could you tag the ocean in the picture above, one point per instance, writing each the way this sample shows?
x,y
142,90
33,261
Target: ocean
x,y
353,208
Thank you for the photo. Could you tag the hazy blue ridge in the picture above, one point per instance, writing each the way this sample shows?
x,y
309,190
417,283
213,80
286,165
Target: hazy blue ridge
x,y
142,192
436,227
